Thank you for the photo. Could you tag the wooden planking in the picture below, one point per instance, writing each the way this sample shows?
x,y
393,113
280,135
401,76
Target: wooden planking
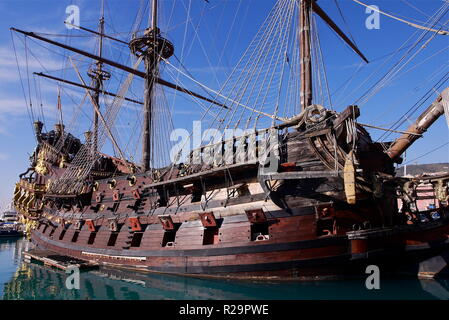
x,y
83,236
270,257
152,239
298,228
57,233
102,238
235,232
192,236
54,259
300,150
69,235
123,239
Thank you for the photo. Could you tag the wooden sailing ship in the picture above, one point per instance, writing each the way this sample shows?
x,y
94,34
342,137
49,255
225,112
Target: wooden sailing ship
x,y
311,195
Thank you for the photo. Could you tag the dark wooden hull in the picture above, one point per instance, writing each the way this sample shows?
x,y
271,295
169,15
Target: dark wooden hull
x,y
325,258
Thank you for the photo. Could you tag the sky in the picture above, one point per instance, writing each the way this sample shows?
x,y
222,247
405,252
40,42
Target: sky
x,y
209,38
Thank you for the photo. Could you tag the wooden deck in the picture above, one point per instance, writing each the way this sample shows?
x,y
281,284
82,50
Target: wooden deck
x,y
56,260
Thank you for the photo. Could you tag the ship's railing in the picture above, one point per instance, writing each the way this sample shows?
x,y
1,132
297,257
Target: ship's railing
x,y
426,198
250,147
31,186
51,153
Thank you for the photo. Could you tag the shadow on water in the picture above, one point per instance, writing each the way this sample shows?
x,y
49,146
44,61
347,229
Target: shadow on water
x,y
22,280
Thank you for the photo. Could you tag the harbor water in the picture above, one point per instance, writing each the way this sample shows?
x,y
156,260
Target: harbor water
x,y
23,280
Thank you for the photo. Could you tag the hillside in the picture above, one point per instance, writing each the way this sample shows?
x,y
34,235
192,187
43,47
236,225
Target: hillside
x,y
417,169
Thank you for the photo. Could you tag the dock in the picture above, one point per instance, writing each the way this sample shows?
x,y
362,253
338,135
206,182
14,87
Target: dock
x,y
58,261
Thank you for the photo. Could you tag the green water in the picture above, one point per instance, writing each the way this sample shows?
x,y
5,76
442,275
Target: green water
x,y
22,280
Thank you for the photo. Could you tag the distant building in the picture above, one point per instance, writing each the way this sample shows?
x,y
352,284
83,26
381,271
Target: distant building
x,y
9,215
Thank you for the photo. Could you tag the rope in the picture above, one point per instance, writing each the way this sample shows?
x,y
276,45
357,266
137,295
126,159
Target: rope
x,y
73,179
428,152
442,32
398,66
29,112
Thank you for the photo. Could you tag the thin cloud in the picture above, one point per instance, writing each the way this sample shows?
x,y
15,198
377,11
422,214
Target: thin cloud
x,y
7,59
12,106
4,156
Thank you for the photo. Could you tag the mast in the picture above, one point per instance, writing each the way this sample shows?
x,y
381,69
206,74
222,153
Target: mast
x,y
117,65
98,75
152,47
150,68
154,14
305,10
61,123
40,74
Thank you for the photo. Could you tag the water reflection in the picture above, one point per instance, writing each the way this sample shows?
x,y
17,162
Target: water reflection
x,y
34,281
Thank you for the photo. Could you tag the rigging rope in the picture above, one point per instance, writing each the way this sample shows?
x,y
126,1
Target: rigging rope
x,y
74,177
427,153
442,32
397,67
29,112
414,108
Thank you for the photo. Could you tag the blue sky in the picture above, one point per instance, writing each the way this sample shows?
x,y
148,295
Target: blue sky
x,y
213,39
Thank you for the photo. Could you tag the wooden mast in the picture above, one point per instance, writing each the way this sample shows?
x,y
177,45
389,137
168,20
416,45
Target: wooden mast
x,y
150,68
98,75
152,47
166,47
305,9
154,15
